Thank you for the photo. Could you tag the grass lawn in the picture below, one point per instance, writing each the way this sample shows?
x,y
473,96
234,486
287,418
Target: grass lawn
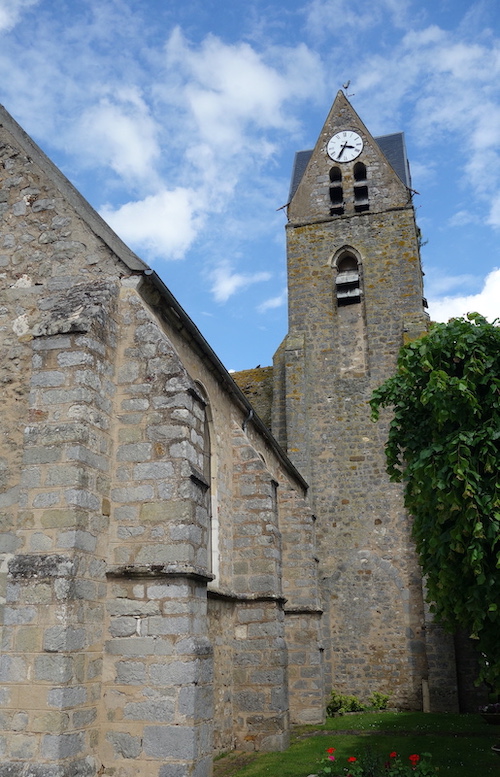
x,y
460,745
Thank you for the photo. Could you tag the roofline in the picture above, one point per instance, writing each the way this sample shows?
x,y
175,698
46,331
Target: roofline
x,y
175,313
187,328
76,200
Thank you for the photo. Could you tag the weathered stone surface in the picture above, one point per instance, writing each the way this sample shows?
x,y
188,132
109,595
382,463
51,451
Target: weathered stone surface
x,y
160,562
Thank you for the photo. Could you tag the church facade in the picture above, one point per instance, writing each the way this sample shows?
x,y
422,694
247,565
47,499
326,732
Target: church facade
x,y
185,571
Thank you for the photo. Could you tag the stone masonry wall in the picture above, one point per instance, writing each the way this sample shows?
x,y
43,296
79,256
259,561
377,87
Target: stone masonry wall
x,y
158,660
113,527
330,362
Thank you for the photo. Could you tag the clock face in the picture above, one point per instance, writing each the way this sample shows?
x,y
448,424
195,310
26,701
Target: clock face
x,y
345,146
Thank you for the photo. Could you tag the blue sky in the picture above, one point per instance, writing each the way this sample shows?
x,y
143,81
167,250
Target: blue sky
x,y
179,121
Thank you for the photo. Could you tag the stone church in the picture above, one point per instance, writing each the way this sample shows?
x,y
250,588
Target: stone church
x,y
190,563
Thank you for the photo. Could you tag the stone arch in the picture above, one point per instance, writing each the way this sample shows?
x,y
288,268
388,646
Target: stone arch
x,y
347,262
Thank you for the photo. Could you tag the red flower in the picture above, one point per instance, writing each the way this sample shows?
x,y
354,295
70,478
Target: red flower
x,y
414,759
331,758
393,754
351,759
330,749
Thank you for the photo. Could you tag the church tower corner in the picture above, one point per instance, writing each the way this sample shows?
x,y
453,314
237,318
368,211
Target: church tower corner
x,y
355,294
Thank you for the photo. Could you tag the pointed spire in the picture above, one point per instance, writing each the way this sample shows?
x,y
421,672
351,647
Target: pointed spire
x,y
345,155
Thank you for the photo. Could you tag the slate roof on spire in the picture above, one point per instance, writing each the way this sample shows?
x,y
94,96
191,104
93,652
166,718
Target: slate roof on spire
x,y
392,146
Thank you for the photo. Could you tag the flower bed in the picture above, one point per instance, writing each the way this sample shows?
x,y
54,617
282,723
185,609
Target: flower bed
x,y
371,765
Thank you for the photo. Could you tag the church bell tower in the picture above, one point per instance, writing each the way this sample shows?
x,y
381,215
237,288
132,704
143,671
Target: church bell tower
x,y
355,296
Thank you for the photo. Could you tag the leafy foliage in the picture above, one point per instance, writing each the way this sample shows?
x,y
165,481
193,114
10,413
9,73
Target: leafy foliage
x,y
378,701
444,443
340,703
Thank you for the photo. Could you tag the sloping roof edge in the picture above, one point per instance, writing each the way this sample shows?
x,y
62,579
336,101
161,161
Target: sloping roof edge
x,y
180,320
175,313
76,200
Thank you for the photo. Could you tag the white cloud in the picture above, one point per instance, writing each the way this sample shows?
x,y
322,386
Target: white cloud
x,y
226,282
437,284
164,223
463,217
273,302
494,214
487,302
327,16
231,90
11,12
451,87
119,131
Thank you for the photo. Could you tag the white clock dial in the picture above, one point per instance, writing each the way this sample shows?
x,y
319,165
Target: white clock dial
x,y
345,146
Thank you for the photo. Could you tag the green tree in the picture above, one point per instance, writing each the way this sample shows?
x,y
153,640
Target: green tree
x,y
444,444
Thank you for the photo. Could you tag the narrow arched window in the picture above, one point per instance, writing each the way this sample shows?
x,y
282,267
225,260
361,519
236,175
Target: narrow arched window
x,y
209,476
359,172
336,192
347,282
361,201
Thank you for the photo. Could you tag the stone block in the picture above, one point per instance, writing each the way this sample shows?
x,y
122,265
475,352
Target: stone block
x,y
40,542
135,404
74,358
22,746
63,638
162,710
169,742
59,518
28,639
197,646
125,745
19,721
12,769
176,770
9,542
79,540
130,672
175,673
165,554
54,668
133,494
82,498
13,669
196,702
19,615
132,607
46,499
65,475
168,625
132,646
50,722
86,456
153,470
171,590
249,701
48,378
56,746
175,510
134,452
123,627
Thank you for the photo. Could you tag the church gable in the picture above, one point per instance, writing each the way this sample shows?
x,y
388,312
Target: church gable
x,y
348,172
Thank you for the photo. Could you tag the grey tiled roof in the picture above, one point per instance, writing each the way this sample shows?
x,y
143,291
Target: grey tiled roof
x,y
392,146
